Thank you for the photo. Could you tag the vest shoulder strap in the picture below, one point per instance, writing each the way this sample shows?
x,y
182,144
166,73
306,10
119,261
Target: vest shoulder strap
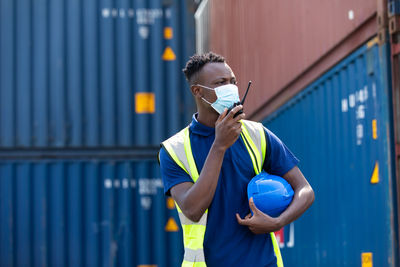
x,y
254,138
179,148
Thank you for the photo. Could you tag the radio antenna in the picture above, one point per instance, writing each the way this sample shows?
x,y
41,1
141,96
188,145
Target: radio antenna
x,y
247,90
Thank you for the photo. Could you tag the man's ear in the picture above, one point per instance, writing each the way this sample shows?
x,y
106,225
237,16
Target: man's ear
x,y
196,90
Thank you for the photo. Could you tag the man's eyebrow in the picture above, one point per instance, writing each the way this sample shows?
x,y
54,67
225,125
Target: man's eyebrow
x,y
220,78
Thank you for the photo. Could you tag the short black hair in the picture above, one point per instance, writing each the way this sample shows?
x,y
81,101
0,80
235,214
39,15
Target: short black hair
x,y
197,62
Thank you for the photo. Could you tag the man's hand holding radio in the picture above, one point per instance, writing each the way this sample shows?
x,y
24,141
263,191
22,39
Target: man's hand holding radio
x,y
228,127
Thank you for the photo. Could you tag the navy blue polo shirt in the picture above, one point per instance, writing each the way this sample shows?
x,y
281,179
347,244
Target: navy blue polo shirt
x,y
227,243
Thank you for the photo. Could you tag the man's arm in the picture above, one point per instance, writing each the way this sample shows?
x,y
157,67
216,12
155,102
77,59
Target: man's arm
x,y
302,199
194,199
261,223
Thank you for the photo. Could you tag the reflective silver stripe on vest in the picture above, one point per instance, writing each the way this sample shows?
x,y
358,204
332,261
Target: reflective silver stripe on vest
x,y
254,131
185,221
177,143
194,255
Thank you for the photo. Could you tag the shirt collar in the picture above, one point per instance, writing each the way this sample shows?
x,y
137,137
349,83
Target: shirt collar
x,y
197,128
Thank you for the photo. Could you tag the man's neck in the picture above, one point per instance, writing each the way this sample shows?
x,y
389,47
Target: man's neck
x,y
207,118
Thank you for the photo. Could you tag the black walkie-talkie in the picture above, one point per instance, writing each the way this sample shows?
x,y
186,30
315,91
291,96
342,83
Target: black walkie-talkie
x,y
240,103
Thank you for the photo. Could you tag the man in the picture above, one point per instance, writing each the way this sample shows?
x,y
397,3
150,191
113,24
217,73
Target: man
x,y
216,196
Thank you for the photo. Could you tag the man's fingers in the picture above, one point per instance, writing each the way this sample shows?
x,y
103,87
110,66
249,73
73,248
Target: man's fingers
x,y
223,115
241,221
238,218
253,206
233,111
236,109
240,117
236,126
248,216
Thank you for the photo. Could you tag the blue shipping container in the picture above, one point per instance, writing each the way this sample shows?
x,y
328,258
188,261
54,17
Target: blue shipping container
x,y
86,213
340,127
93,73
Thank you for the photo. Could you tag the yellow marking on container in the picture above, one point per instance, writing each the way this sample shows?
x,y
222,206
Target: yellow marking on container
x,y
168,54
366,259
168,33
171,225
145,102
374,129
372,42
375,174
170,203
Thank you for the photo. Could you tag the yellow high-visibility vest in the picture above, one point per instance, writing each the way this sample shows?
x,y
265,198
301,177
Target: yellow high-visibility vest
x,y
179,148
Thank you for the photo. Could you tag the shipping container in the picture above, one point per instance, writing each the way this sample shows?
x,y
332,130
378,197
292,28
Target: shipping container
x,y
108,212
394,31
341,129
88,90
93,73
282,46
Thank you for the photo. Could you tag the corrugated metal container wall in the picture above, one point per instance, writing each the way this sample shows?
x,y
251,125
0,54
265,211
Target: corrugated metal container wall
x,y
273,43
93,73
86,213
340,128
103,78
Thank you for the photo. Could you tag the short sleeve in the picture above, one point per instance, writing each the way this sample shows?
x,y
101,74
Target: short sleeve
x,y
279,159
171,173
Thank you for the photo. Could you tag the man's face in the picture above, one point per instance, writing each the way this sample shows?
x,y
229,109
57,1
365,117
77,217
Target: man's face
x,y
213,75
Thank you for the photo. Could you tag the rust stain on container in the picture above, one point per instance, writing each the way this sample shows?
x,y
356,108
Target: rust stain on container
x,y
276,43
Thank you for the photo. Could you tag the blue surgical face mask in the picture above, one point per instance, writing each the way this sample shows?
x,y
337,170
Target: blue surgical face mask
x,y
227,95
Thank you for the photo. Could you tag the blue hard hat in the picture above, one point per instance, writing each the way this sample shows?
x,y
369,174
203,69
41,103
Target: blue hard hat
x,y
271,194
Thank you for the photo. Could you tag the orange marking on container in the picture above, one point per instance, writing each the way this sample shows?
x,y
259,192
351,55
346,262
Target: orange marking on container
x,y
145,102
372,42
168,33
171,225
375,174
170,203
374,129
366,259
168,54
